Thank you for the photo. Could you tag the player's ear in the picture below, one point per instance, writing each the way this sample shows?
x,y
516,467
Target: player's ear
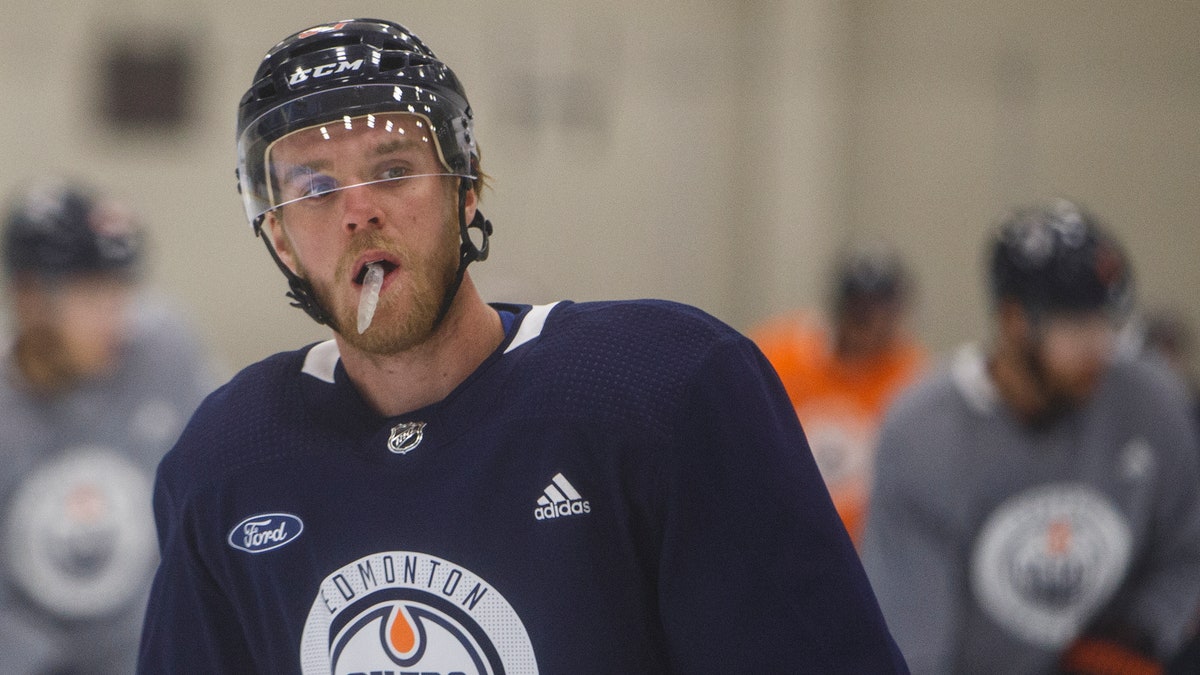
x,y
470,204
273,228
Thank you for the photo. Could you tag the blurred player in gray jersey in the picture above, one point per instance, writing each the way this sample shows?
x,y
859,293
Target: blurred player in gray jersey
x,y
1035,506
97,381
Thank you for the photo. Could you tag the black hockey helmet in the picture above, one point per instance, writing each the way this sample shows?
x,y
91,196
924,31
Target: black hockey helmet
x,y
56,229
873,274
1058,258
344,70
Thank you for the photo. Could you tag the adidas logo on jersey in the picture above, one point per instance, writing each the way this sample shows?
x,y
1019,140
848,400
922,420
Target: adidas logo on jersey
x,y
560,499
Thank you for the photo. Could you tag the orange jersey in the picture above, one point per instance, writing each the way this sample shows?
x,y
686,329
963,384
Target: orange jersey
x,y
840,404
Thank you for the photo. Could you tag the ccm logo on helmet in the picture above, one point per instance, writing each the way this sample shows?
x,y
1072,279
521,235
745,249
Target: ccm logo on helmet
x,y
323,70
266,531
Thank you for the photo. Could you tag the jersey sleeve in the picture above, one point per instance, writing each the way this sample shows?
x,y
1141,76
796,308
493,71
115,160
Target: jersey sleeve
x,y
756,571
908,556
1164,596
190,625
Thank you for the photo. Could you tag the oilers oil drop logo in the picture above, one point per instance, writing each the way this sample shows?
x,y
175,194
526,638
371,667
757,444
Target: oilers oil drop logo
x,y
401,611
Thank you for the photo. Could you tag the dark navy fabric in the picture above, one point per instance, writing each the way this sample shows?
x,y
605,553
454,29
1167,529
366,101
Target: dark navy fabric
x,y
709,543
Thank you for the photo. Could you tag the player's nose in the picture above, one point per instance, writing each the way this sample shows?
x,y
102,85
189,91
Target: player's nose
x,y
360,208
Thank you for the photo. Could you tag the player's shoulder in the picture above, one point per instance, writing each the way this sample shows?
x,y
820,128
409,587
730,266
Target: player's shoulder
x,y
159,323
922,431
951,393
647,320
1150,374
657,337
619,362
240,420
1149,386
263,381
955,382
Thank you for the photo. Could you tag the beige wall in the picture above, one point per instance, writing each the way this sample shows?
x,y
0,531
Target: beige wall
x,y
957,115
711,152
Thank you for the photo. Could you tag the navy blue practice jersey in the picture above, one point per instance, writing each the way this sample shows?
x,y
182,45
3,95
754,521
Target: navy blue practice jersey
x,y
620,488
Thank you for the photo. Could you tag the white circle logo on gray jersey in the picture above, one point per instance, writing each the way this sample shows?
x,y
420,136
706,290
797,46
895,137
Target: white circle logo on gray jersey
x,y
401,611
1047,559
80,537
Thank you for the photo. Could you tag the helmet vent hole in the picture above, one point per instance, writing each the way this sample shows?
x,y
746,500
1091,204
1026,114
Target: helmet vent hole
x,y
266,90
392,60
313,45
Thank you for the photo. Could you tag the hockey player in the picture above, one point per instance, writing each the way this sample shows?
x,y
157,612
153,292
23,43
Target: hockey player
x,y
451,487
842,371
1035,506
98,381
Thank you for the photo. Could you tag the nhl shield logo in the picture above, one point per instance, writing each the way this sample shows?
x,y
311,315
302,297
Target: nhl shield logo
x,y
405,437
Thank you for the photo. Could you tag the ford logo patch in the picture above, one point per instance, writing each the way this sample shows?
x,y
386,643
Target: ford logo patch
x,y
265,532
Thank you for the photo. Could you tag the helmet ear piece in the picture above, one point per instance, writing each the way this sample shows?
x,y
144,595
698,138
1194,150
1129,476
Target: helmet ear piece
x,y
475,235
300,290
478,251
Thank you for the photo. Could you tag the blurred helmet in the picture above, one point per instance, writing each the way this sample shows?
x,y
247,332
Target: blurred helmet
x,y
343,70
1058,258
869,275
56,229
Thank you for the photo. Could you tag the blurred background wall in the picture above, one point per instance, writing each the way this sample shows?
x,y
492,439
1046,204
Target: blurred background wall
x,y
712,152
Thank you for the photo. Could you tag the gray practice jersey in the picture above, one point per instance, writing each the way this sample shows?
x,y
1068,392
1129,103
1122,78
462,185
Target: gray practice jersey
x,y
992,546
78,544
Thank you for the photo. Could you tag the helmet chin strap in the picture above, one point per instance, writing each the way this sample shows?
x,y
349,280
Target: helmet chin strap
x,y
301,293
304,297
468,252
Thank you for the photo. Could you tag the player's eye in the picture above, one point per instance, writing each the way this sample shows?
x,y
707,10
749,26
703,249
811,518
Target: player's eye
x,y
318,185
393,172
304,182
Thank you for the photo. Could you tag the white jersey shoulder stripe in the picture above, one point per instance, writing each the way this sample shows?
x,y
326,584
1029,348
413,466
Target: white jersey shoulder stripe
x,y
968,369
321,361
531,326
